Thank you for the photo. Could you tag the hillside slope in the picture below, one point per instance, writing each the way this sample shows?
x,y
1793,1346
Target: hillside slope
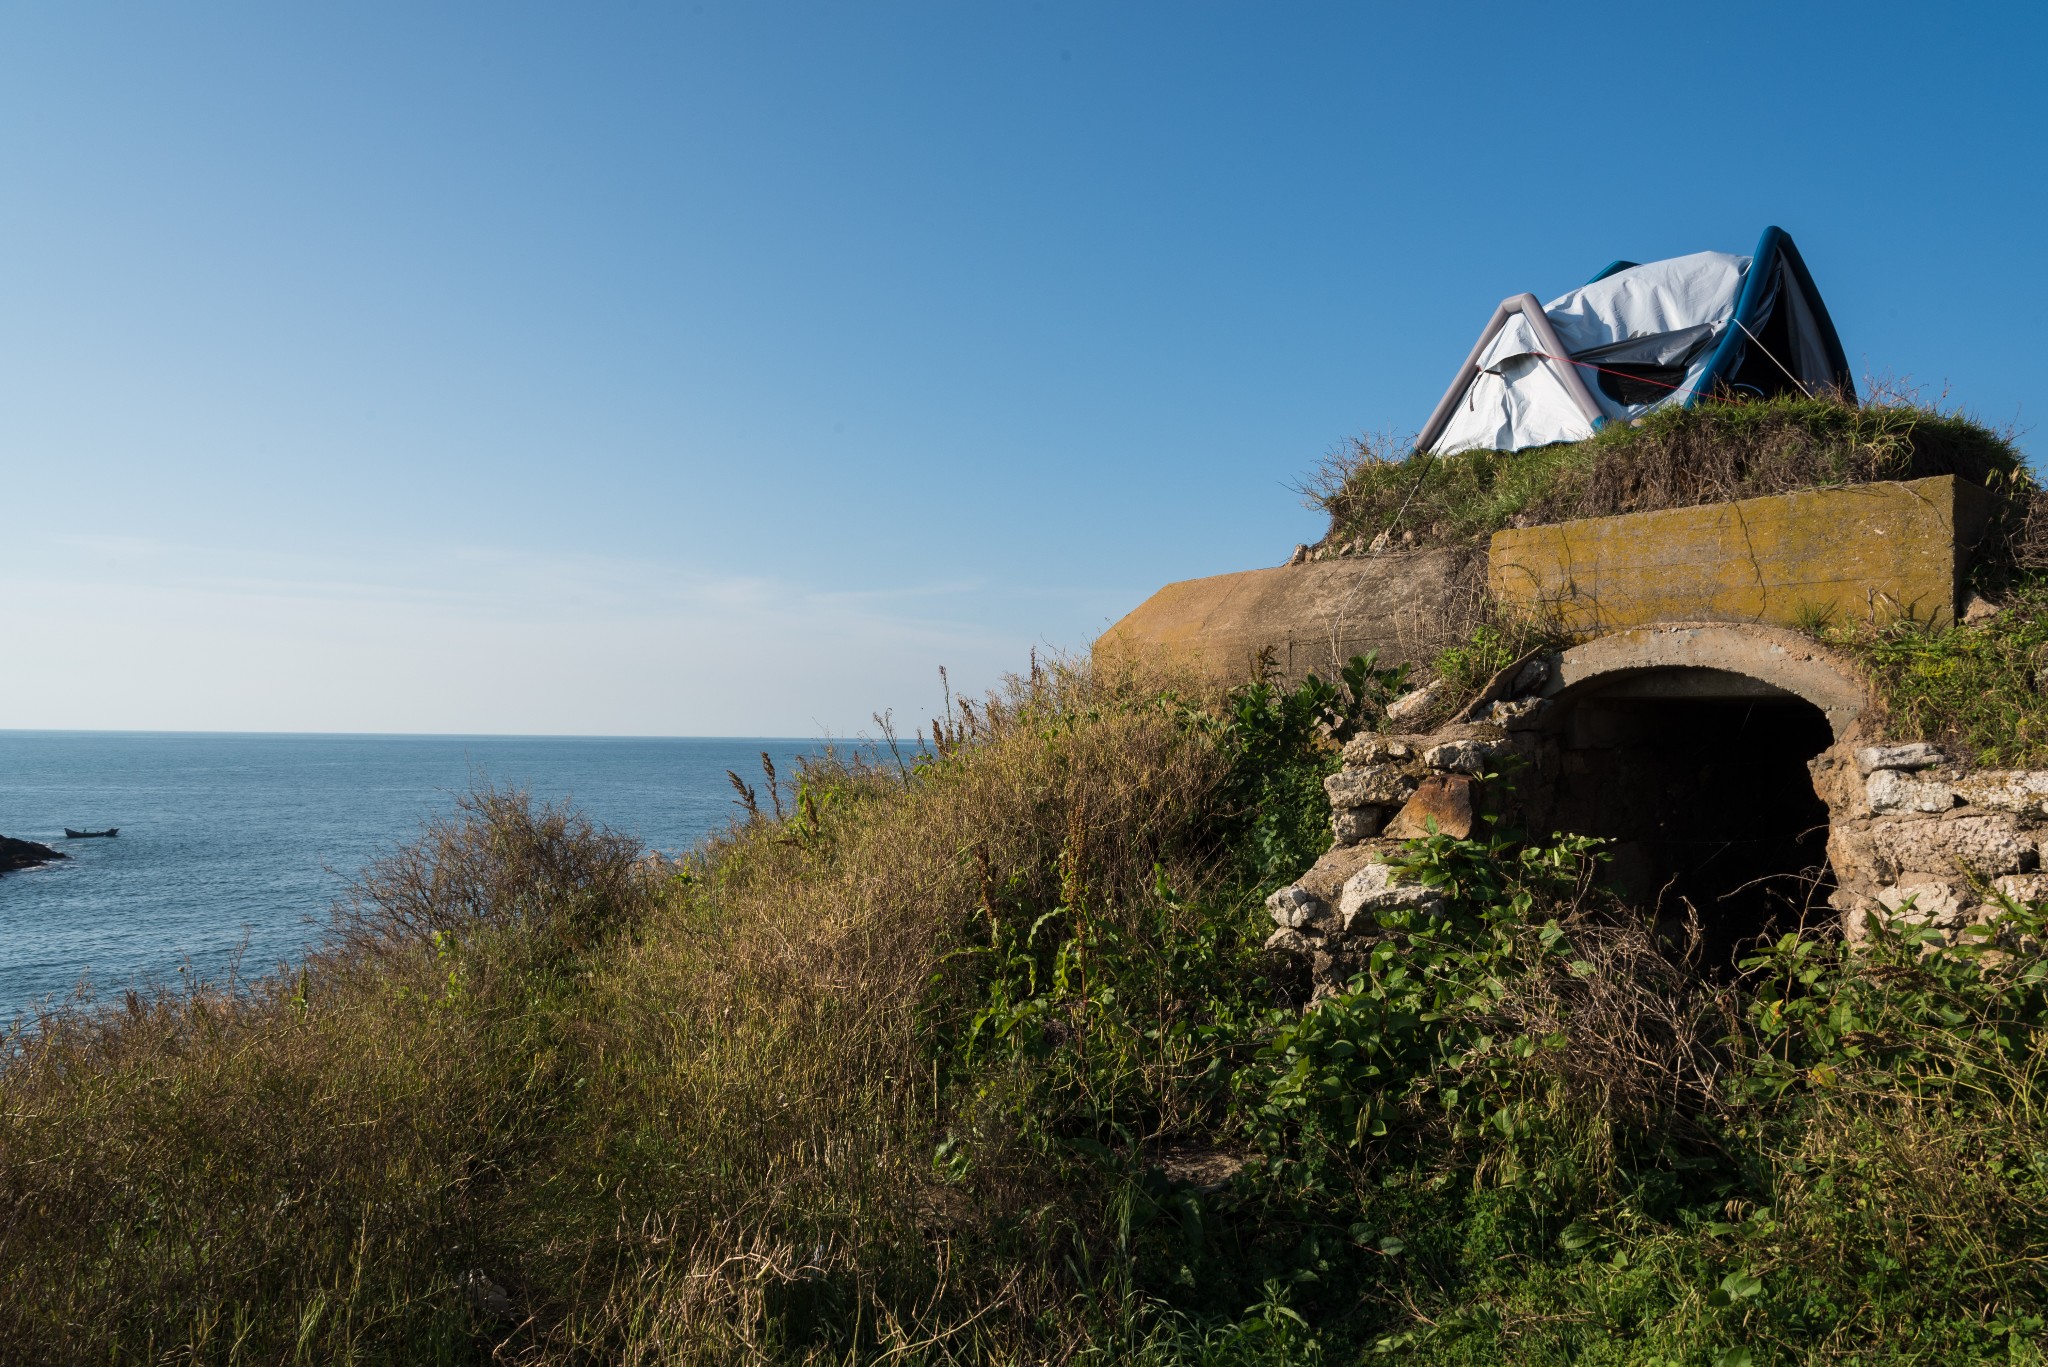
x,y
976,1058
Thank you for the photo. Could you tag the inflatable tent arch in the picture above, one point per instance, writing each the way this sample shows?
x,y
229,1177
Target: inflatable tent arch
x,y
1638,338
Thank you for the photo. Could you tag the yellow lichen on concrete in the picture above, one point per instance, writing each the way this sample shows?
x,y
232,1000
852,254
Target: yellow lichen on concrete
x,y
1879,551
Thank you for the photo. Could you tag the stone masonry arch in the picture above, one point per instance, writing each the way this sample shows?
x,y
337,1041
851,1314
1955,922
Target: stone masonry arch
x,y
1704,659
1690,748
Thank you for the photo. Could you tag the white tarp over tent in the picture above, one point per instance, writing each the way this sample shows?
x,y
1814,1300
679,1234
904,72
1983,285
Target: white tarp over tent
x,y
1639,338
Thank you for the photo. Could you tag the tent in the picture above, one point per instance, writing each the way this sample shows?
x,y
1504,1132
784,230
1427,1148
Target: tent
x,y
1637,338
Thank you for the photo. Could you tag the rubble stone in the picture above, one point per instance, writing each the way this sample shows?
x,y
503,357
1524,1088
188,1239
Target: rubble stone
x,y
2023,887
1411,705
1295,908
1445,798
1918,755
1326,878
1349,825
1373,785
1460,756
1370,748
1888,790
1517,714
1287,940
1372,890
1927,903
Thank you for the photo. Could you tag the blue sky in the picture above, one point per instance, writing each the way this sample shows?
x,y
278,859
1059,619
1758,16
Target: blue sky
x,y
725,369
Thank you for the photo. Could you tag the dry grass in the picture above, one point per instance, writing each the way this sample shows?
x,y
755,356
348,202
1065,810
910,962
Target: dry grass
x,y
676,1112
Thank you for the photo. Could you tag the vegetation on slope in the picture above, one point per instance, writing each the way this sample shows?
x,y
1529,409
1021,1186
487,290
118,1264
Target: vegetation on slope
x,y
1677,457
978,1059
1978,689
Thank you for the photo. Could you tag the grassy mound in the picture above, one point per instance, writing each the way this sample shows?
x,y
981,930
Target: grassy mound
x,y
1677,458
978,1059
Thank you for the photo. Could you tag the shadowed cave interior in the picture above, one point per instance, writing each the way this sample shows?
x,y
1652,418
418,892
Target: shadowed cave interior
x,y
1699,778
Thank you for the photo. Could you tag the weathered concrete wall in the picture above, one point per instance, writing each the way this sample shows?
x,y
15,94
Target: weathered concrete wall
x,y
1313,616
1862,551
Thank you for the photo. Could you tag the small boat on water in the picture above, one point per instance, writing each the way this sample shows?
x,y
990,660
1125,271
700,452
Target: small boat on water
x,y
110,831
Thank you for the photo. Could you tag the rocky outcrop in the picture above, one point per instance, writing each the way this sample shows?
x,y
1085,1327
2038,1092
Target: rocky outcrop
x,y
25,854
1390,789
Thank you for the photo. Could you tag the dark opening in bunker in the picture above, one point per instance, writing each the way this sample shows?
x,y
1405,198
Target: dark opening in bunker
x,y
1699,779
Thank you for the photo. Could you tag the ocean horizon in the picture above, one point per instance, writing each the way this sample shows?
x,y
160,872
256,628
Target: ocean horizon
x,y
234,845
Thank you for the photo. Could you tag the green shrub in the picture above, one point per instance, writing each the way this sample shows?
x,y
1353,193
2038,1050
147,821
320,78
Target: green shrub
x,y
1981,690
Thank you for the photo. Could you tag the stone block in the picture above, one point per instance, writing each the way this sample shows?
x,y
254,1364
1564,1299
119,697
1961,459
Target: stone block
x,y
1373,785
1988,845
1915,755
2010,790
1350,825
1447,799
1886,549
1889,791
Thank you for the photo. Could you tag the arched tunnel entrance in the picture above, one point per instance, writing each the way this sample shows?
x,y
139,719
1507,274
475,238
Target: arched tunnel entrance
x,y
1699,778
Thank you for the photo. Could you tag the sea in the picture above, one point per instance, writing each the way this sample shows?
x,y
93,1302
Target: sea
x,y
233,848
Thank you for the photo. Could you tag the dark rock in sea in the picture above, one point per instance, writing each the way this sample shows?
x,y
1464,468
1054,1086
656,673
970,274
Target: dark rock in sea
x,y
25,854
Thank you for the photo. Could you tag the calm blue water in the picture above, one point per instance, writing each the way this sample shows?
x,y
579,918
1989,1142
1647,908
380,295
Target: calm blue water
x,y
239,843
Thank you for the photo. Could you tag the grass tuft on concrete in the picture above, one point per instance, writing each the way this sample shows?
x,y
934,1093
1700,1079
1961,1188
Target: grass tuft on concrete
x,y
1714,453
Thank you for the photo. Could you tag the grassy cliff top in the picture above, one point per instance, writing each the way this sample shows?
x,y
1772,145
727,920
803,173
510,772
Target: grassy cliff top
x,y
1677,458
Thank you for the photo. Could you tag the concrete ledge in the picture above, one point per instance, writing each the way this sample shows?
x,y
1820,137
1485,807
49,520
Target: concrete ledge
x,y
1710,659
1864,551
1313,616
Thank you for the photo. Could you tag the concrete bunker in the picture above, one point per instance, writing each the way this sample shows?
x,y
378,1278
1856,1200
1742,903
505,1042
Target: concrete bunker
x,y
1711,757
1738,766
1690,748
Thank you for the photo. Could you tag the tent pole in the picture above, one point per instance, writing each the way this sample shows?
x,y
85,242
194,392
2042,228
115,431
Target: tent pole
x,y
1440,417
1567,373
1529,307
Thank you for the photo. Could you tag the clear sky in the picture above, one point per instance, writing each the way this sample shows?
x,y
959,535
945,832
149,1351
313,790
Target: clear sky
x,y
726,368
